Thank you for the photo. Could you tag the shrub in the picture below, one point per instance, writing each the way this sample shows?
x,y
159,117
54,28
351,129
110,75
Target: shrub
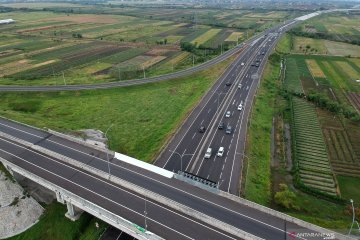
x,y
285,197
30,106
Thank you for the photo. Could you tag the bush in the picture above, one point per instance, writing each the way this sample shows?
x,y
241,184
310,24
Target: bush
x,y
285,197
30,106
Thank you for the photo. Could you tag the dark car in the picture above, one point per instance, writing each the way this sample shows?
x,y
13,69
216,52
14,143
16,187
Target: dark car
x,y
263,53
228,130
221,125
202,129
256,64
228,84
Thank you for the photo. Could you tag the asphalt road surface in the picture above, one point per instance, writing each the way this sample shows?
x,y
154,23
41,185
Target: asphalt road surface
x,y
161,220
237,86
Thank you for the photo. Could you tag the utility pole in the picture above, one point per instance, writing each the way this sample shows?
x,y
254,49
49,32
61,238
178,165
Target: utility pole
x,y
145,213
353,217
144,71
64,78
193,59
181,157
107,152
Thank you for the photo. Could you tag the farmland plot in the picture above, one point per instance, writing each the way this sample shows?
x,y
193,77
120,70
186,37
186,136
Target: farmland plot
x,y
310,149
292,79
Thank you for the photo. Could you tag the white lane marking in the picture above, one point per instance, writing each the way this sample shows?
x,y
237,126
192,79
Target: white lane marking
x,y
222,139
202,122
228,70
233,92
236,146
193,135
184,151
108,199
233,102
155,180
110,184
209,110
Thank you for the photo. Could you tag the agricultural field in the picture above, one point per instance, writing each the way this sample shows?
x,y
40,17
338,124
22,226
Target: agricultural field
x,y
78,44
292,80
306,45
343,144
335,77
310,148
337,26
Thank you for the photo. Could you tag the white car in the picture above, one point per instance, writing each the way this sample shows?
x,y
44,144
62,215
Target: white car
x,y
240,107
228,114
220,152
242,64
240,85
208,153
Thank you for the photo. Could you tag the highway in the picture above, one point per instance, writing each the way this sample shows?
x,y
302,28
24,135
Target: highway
x,y
161,220
185,152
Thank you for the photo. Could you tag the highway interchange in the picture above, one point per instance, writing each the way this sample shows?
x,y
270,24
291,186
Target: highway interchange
x,y
160,219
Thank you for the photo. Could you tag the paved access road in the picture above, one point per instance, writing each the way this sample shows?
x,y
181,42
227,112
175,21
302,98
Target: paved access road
x,y
161,220
237,86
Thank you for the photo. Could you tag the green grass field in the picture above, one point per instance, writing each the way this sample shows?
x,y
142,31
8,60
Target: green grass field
x,y
144,116
349,187
54,225
292,80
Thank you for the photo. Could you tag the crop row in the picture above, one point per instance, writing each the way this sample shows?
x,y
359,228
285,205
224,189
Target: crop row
x,y
310,149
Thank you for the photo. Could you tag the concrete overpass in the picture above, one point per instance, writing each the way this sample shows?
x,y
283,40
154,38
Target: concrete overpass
x,y
145,201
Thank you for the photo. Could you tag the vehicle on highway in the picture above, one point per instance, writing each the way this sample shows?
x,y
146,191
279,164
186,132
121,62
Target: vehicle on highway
x,y
240,85
242,64
257,64
227,114
263,53
221,125
208,153
202,129
228,84
240,107
220,152
228,129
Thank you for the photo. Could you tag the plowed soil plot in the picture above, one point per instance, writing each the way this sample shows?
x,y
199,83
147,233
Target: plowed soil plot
x,y
355,100
70,61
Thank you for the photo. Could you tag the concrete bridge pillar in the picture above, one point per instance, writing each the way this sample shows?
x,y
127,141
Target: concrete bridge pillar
x,y
9,170
73,212
59,197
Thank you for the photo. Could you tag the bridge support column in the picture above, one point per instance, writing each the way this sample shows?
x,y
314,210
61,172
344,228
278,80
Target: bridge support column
x,y
73,212
59,197
9,169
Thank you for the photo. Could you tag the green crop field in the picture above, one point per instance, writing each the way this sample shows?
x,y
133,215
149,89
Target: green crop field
x,y
310,148
292,80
